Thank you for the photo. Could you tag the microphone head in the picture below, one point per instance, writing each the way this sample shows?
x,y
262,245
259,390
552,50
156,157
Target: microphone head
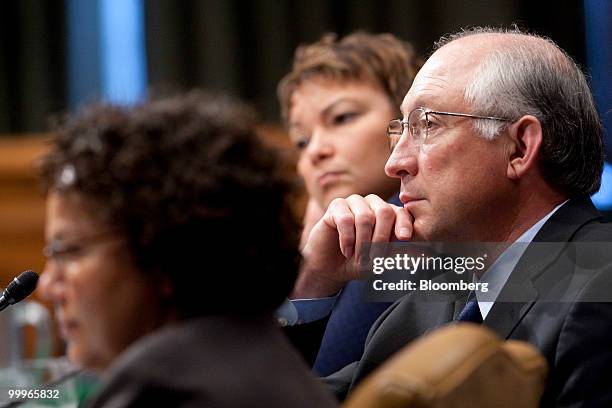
x,y
22,286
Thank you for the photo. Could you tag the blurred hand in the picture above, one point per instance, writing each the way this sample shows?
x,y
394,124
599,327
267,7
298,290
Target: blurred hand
x,y
334,244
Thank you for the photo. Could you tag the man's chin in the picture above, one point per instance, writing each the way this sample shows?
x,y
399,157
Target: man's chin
x,y
424,231
419,236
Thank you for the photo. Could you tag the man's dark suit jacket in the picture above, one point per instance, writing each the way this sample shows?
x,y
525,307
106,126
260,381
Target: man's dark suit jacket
x,y
212,362
574,336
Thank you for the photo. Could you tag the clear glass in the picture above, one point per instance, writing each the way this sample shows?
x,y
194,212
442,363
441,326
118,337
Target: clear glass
x,y
420,127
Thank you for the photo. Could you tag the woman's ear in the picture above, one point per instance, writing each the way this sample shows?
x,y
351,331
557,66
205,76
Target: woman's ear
x,y
525,141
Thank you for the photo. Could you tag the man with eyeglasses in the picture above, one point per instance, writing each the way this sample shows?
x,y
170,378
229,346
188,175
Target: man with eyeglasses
x,y
500,141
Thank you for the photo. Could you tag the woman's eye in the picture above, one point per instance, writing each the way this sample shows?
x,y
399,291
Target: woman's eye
x,y
62,252
301,143
343,118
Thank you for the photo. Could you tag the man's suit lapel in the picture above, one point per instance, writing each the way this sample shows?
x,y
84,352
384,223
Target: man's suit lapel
x,y
505,316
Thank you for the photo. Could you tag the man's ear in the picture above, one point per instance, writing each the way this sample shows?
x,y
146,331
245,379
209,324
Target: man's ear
x,y
525,141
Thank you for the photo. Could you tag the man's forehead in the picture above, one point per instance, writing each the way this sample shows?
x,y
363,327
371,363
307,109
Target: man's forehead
x,y
434,85
443,78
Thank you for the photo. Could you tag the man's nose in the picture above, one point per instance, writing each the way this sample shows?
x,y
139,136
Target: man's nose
x,y
403,160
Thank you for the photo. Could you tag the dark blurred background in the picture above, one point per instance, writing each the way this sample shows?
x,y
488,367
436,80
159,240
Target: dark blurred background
x,y
55,55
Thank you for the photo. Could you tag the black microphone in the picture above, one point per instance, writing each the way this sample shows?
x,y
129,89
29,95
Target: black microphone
x,y
20,288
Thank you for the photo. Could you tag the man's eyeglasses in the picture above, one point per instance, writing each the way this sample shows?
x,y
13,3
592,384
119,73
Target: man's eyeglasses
x,y
421,126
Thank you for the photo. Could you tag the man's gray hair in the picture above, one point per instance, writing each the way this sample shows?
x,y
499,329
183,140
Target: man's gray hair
x,y
531,75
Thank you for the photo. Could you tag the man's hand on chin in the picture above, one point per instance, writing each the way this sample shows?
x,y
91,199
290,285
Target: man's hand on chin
x,y
335,242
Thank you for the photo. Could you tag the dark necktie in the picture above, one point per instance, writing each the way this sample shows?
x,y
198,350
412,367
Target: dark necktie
x,y
470,313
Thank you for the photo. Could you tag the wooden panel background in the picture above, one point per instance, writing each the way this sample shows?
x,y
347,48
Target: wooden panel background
x,y
21,206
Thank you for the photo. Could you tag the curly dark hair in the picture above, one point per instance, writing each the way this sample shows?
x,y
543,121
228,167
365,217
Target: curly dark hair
x,y
199,198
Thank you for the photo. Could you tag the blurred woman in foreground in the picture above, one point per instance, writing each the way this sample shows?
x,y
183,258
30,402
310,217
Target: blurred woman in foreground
x,y
336,102
170,241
